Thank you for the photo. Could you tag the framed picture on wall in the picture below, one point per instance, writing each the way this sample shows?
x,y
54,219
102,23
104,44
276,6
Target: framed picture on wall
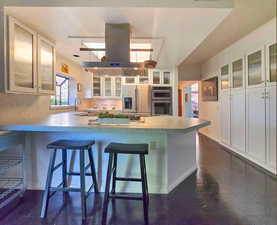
x,y
209,90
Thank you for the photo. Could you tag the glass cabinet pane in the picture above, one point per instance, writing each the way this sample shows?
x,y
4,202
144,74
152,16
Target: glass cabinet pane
x,y
23,57
156,77
166,77
255,68
96,86
143,80
130,80
237,69
108,86
118,86
224,72
46,66
273,63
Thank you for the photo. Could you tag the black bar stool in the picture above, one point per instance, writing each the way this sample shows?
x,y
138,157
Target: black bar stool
x,y
65,145
118,148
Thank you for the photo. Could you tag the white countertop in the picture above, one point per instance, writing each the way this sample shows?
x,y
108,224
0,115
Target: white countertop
x,y
70,121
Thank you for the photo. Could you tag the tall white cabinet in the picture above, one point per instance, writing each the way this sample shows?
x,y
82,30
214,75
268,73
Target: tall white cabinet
x,y
255,124
248,106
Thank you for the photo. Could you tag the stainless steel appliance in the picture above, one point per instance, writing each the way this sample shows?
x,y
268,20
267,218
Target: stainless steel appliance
x,y
161,101
136,98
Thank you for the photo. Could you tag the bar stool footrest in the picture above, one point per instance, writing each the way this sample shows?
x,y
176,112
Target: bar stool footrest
x,y
128,179
66,189
125,196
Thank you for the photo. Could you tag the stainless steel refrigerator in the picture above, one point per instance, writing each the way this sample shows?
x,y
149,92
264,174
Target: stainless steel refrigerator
x,y
136,98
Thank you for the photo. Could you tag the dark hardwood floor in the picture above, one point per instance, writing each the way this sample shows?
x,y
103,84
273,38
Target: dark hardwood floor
x,y
225,191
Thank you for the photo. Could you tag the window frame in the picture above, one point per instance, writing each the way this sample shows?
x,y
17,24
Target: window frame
x,y
58,104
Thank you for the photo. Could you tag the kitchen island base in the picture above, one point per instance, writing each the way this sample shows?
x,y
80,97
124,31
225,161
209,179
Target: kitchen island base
x,y
171,158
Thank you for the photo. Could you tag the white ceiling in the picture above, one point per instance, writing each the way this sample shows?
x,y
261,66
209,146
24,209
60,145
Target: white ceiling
x,y
183,29
246,16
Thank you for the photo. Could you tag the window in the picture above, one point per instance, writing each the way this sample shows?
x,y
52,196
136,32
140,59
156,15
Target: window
x,y
62,91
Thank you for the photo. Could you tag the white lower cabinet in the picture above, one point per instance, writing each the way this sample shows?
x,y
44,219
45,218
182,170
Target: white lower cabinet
x,y
225,118
271,126
238,120
256,124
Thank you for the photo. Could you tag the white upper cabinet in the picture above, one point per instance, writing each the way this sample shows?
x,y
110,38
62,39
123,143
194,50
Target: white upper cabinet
x,y
46,66
22,70
271,70
96,86
107,86
255,69
224,77
118,85
237,80
161,77
31,61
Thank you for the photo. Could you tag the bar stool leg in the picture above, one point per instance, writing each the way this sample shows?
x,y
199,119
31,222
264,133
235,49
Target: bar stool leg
x,y
93,171
144,188
114,173
64,158
145,177
83,185
45,200
107,189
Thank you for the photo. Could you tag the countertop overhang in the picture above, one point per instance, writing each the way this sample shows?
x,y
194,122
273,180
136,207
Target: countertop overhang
x,y
70,122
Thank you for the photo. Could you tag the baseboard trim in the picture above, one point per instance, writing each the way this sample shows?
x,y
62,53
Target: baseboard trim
x,y
247,159
180,179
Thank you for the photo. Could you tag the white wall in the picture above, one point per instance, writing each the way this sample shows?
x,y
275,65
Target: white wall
x,y
258,38
189,72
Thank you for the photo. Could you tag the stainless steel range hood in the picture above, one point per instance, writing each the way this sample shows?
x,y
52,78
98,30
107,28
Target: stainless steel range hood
x,y
117,44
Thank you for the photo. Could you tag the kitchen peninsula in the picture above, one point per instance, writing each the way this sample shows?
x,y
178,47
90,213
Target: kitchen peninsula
x,y
172,147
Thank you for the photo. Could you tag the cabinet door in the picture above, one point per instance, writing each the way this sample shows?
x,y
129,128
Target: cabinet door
x,y
117,86
224,77
156,77
46,66
22,58
96,86
108,86
271,64
225,118
130,80
255,72
166,77
256,124
238,74
238,120
271,126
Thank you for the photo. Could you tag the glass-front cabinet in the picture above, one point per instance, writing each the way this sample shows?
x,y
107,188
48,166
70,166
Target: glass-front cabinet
x,y
108,86
156,77
237,74
224,77
117,86
255,76
22,57
166,77
46,66
31,65
96,86
272,64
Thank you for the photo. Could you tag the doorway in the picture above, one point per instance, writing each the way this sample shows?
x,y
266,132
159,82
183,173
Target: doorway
x,y
191,105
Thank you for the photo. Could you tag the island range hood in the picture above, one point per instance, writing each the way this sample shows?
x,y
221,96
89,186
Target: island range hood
x,y
117,44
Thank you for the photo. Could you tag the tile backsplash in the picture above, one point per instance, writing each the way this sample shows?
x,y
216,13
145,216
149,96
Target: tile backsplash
x,y
103,103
